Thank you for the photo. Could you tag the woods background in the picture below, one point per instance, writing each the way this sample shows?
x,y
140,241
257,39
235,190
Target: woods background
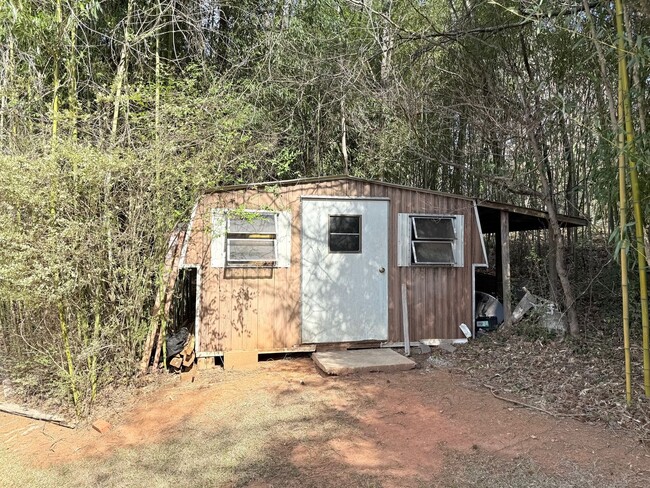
x,y
115,115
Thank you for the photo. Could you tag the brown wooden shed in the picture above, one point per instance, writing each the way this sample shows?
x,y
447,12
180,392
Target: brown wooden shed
x,y
286,266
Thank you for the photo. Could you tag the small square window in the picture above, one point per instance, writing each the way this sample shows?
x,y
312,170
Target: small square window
x,y
344,233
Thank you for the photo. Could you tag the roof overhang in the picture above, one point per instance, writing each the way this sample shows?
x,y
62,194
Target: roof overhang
x,y
520,218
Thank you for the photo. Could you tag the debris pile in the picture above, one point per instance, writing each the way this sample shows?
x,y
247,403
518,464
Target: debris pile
x,y
540,311
180,350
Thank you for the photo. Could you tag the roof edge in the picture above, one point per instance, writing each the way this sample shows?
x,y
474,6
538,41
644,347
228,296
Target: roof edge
x,y
567,219
327,179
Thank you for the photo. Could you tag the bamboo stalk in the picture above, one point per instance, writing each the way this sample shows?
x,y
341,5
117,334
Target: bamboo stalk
x,y
623,223
157,110
71,64
55,83
94,344
121,74
636,195
68,355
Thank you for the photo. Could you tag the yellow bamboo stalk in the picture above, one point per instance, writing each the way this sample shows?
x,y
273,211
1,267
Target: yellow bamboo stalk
x,y
157,112
95,341
636,195
623,223
68,355
56,81
71,64
63,323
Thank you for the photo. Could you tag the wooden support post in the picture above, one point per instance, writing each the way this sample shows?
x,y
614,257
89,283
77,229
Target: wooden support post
x,y
498,290
405,322
504,244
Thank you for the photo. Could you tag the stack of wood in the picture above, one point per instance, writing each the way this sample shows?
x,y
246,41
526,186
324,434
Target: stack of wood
x,y
184,360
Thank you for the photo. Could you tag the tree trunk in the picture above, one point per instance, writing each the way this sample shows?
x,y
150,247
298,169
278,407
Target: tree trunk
x,y
386,44
544,170
344,139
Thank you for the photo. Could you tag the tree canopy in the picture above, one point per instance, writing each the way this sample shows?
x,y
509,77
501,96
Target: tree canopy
x,y
116,114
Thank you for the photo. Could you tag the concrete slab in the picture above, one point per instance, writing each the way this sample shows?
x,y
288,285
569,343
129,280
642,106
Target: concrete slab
x,y
361,360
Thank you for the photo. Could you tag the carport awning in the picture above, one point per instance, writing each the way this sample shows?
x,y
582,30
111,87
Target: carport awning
x,y
520,218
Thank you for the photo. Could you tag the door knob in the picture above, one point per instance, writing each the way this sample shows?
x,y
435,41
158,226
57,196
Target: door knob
x,y
382,269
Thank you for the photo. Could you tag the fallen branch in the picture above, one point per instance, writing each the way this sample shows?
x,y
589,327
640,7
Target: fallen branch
x,y
522,404
14,409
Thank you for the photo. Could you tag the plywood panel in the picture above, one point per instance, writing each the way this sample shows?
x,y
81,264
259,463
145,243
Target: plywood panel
x,y
266,311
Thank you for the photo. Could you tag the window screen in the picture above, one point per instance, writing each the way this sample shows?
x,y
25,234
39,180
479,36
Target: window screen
x,y
431,252
245,250
344,233
251,223
251,238
433,228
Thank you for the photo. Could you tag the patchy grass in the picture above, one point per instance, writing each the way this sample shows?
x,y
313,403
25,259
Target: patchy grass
x,y
251,439
271,428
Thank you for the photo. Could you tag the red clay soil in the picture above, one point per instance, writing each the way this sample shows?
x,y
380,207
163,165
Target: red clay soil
x,y
405,423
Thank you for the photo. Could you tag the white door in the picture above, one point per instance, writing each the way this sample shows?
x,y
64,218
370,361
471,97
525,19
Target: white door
x,y
344,270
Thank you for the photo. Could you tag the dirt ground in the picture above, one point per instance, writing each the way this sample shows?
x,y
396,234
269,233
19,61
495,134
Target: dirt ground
x,y
286,424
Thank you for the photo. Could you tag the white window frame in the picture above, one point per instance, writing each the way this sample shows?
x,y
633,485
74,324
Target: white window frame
x,y
219,239
407,241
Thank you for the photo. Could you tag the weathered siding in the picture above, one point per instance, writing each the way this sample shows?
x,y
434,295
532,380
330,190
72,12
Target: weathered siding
x,y
259,308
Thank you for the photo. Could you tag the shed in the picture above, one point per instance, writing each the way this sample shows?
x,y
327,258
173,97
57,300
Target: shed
x,y
291,265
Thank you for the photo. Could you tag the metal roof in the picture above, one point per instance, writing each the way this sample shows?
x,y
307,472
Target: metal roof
x,y
520,218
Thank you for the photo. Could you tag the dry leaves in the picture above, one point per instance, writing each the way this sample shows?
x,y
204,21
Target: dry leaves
x,y
585,378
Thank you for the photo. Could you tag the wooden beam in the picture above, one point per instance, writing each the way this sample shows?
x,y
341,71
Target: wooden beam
x,y
14,409
504,244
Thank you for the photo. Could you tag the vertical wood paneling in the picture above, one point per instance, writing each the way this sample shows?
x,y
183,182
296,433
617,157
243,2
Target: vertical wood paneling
x,y
260,309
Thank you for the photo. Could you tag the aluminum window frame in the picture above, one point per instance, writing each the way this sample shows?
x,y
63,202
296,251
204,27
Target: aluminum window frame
x,y
415,239
449,218
414,256
406,255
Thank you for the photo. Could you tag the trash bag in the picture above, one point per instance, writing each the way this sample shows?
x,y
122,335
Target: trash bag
x,y
176,342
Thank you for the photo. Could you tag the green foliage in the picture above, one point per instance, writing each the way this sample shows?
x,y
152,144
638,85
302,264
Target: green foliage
x,y
433,94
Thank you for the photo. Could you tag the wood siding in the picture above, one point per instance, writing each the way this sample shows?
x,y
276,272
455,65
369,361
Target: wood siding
x,y
259,308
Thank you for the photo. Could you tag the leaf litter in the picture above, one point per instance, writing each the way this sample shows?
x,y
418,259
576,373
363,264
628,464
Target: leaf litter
x,y
583,379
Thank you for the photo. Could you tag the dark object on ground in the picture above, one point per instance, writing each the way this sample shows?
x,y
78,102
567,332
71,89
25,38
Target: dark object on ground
x,y
488,313
176,342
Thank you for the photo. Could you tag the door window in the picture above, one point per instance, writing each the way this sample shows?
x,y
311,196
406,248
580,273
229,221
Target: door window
x,y
344,234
